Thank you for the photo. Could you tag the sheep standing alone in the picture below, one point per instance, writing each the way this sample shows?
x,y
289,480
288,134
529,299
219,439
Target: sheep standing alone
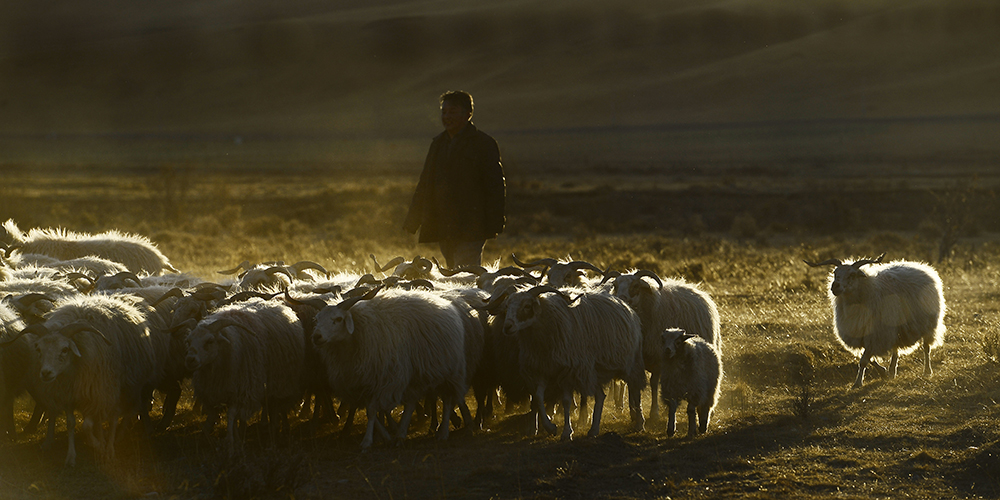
x,y
136,252
692,371
393,349
886,308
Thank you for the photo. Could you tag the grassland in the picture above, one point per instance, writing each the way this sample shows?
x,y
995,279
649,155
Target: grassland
x,y
787,425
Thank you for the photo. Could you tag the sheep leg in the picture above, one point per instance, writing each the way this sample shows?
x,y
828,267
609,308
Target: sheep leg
x,y
692,412
671,417
618,393
366,442
231,431
654,404
866,358
172,394
70,436
468,422
50,432
110,438
704,413
595,426
581,415
447,408
348,420
893,363
635,407
543,415
36,416
567,404
927,358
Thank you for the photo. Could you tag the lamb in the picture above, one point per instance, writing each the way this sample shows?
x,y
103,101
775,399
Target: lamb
x,y
886,308
692,371
391,349
137,253
246,356
674,303
575,348
94,356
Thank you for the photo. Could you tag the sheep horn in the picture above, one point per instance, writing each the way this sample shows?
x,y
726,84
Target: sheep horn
x,y
367,279
173,292
74,328
347,304
25,301
209,284
79,276
577,265
327,289
315,303
827,262
864,262
610,275
392,263
538,290
216,326
38,329
496,300
423,264
650,274
302,265
207,294
271,271
128,275
190,323
539,262
243,265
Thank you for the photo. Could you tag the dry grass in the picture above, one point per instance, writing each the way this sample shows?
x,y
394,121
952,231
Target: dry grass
x,y
787,426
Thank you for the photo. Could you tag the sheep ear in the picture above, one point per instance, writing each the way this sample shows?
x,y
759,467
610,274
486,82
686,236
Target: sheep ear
x,y
349,322
76,351
684,337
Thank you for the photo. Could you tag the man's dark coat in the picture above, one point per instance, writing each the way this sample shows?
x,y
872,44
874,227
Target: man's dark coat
x,y
460,196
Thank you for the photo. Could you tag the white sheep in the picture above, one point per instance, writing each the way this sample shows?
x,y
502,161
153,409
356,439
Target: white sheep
x,y
246,356
15,365
392,349
886,308
94,356
691,371
575,345
137,253
666,303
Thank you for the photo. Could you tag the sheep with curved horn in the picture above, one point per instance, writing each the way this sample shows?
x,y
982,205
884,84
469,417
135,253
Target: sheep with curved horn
x,y
885,309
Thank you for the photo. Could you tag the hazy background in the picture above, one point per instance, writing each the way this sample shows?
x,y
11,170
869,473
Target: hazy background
x,y
817,85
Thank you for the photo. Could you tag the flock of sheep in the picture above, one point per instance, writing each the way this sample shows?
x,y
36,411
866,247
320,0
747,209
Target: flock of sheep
x,y
93,324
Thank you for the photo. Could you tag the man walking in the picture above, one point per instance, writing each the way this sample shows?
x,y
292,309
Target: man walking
x,y
459,200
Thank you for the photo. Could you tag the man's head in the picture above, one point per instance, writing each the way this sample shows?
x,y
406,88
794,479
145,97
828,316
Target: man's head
x,y
456,110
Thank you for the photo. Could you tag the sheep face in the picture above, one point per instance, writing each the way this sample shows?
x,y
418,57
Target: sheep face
x,y
522,310
846,279
333,324
56,355
673,341
203,347
632,288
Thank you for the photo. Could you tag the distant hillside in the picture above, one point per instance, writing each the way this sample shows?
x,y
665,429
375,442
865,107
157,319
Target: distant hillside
x,y
888,73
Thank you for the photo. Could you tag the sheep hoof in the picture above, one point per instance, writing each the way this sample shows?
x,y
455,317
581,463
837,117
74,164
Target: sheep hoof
x,y
550,428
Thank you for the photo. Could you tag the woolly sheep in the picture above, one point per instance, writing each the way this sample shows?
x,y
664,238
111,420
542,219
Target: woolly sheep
x,y
394,348
137,253
672,303
575,345
691,371
15,362
563,274
246,356
886,308
94,356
